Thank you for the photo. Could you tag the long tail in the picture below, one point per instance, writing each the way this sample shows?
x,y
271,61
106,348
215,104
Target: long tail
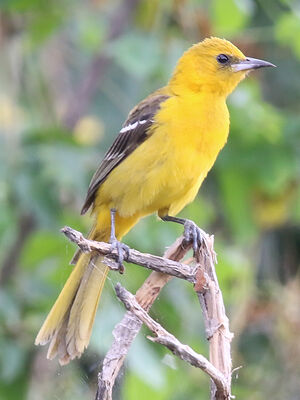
x,y
68,326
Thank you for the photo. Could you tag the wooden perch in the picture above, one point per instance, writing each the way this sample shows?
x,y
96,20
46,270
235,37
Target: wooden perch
x,y
215,318
149,261
201,273
165,338
127,329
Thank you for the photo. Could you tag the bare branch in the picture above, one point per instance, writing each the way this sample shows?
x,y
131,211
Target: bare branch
x,y
128,328
215,319
165,338
149,261
201,273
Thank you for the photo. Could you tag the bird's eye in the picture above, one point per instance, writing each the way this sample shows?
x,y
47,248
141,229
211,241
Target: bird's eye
x,y
222,58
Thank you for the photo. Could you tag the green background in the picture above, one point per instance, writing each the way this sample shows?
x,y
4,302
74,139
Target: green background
x,y
69,73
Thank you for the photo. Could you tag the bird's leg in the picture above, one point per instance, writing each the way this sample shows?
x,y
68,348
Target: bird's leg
x,y
121,248
192,233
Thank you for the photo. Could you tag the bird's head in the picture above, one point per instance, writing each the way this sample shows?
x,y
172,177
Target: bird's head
x,y
213,65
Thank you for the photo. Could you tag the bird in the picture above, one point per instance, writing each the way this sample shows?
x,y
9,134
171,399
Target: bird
x,y
156,164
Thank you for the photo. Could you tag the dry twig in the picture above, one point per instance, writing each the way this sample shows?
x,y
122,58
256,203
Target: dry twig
x,y
127,329
149,261
165,338
215,319
202,274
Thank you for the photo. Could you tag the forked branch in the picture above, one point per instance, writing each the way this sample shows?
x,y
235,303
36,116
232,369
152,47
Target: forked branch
x,y
200,271
165,338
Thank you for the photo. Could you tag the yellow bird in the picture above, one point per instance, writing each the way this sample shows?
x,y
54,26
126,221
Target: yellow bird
x,y
157,163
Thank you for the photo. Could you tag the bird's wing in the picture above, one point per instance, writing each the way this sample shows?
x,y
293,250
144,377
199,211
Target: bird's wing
x,y
135,131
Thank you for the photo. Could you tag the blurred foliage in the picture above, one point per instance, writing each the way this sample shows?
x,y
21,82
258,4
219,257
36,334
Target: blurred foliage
x,y
250,200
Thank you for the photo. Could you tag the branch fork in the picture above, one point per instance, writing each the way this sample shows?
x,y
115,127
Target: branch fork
x,y
200,271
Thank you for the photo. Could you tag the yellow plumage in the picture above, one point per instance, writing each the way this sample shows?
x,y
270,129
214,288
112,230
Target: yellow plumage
x,y
69,324
156,164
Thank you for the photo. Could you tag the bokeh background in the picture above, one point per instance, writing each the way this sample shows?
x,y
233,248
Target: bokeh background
x,y
69,73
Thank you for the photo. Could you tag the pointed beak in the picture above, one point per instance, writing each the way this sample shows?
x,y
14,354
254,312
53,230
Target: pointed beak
x,y
250,63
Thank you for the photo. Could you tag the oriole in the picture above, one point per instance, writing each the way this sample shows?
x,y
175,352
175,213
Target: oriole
x,y
157,163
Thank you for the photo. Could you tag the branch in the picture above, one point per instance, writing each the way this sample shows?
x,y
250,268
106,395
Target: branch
x,y
215,319
201,273
127,329
165,338
148,261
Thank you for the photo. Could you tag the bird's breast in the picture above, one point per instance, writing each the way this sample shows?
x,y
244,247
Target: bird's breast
x,y
196,129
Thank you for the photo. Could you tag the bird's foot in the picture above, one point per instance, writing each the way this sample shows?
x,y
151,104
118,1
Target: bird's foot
x,y
122,251
193,234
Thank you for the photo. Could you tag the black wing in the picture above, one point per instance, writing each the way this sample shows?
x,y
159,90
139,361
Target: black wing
x,y
134,132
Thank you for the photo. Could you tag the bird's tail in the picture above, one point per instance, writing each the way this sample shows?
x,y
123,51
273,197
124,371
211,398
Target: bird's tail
x,y
68,326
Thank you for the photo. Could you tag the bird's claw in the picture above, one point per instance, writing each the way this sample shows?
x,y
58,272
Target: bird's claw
x,y
122,251
193,234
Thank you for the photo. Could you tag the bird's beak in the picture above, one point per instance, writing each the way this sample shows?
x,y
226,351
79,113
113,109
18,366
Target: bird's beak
x,y
250,63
